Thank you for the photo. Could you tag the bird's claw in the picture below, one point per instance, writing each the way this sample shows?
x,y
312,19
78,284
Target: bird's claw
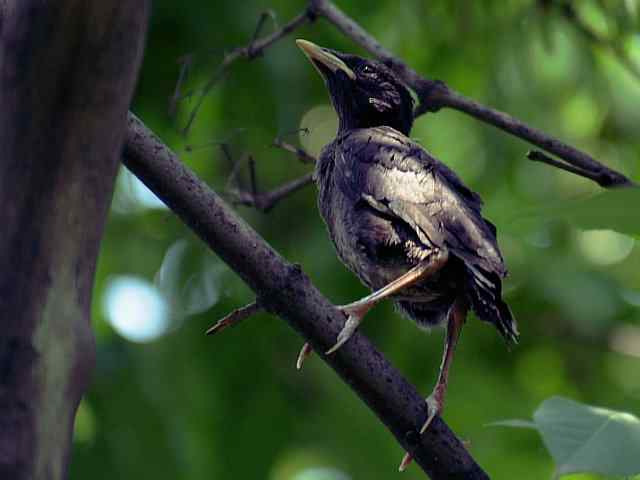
x,y
305,351
355,312
350,326
434,407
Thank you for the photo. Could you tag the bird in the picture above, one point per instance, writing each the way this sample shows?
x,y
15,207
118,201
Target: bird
x,y
401,220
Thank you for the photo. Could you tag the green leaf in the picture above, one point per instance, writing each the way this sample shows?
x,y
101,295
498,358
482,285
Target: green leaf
x,y
515,423
582,438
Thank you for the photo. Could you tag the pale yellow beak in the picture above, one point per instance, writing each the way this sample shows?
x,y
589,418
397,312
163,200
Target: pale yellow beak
x,y
318,54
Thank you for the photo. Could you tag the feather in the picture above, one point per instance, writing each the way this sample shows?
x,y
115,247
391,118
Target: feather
x,y
396,180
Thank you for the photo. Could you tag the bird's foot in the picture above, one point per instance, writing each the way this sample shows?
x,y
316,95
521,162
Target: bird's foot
x,y
435,405
355,313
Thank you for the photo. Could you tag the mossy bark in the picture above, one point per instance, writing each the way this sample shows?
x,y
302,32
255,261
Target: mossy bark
x,y
67,72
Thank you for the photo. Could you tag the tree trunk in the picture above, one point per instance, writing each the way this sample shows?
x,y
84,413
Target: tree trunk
x,y
67,71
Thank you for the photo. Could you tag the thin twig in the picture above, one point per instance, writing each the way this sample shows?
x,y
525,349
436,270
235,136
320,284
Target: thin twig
x,y
252,176
235,317
538,156
301,153
255,48
261,21
185,64
435,94
265,201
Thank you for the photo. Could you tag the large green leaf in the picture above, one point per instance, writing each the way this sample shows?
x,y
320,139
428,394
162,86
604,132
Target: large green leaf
x,y
582,438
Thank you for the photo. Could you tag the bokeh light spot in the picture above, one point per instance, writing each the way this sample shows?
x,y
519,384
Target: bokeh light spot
x,y
320,474
318,128
604,247
626,340
136,309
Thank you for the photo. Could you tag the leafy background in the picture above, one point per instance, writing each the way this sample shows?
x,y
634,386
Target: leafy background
x,y
168,402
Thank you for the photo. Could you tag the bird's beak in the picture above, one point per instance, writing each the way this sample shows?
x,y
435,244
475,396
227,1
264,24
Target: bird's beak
x,y
318,56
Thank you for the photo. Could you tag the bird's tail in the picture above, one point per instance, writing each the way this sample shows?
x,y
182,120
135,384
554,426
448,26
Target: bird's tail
x,y
485,295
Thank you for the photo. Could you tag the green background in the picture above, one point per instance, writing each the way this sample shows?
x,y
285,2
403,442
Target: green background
x,y
186,406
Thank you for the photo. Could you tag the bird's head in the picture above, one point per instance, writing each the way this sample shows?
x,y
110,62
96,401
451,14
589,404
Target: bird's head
x,y
365,93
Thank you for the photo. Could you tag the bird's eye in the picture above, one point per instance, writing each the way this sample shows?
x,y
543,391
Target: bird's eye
x,y
367,69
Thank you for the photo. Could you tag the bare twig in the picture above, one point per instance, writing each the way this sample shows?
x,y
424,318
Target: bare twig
x,y
255,48
286,291
185,62
261,21
434,95
235,317
302,154
252,176
265,201
538,156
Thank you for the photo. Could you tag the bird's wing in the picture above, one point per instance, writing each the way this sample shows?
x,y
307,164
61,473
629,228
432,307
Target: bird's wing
x,y
398,178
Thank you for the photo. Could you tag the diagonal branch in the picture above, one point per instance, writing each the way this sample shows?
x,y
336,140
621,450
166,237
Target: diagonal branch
x,y
284,290
434,95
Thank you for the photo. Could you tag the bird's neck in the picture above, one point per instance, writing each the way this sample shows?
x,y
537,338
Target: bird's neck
x,y
399,122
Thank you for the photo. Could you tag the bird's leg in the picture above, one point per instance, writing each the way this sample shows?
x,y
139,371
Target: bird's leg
x,y
435,401
357,310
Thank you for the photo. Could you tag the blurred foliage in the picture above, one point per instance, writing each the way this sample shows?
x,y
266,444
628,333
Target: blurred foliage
x,y
182,405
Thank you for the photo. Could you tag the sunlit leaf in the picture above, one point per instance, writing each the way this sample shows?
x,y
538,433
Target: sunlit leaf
x,y
582,438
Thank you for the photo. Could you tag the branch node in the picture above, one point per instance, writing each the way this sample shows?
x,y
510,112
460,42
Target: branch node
x,y
432,95
235,317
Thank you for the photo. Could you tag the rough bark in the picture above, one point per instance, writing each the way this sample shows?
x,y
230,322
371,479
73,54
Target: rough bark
x,y
67,71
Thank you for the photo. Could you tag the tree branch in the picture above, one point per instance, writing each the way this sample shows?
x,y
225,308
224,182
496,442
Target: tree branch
x,y
434,95
284,290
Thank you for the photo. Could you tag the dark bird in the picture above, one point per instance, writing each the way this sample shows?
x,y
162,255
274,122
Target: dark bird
x,y
402,221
